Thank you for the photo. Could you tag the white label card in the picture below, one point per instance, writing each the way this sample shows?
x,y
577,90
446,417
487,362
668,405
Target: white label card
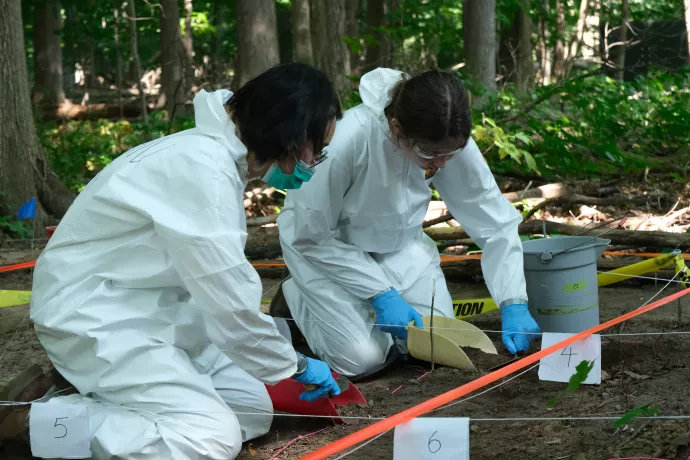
x,y
432,438
560,366
59,430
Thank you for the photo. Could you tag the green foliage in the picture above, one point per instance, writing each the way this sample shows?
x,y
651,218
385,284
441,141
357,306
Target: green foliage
x,y
426,34
598,126
494,136
14,227
581,373
644,410
78,150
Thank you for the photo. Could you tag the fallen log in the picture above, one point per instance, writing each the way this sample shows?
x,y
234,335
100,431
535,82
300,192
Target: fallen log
x,y
554,193
263,220
622,237
263,251
555,190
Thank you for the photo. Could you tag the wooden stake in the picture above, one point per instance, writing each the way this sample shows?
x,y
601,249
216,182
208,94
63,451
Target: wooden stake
x,y
431,323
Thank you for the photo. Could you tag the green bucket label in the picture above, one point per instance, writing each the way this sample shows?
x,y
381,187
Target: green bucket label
x,y
574,287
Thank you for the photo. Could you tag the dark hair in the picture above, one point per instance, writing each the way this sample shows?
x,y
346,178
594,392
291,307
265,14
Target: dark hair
x,y
431,107
279,110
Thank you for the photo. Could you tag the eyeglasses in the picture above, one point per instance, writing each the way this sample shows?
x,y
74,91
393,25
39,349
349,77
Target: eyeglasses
x,y
317,158
431,156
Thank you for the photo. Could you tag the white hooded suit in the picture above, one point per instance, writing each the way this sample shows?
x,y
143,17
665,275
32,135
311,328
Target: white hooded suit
x,y
355,231
145,301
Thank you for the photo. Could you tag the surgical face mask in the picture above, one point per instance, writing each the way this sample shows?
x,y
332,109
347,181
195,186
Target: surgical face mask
x,y
278,179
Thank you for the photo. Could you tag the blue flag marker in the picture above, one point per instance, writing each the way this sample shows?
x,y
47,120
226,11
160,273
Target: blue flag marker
x,y
28,210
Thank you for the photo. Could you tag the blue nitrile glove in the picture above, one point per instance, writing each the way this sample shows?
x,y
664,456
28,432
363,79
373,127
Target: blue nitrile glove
x,y
393,314
517,320
317,373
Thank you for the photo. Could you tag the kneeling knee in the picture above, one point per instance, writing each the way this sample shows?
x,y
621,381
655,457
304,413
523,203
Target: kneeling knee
x,y
217,436
357,359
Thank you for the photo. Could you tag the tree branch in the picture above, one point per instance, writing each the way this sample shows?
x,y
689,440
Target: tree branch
x,y
554,89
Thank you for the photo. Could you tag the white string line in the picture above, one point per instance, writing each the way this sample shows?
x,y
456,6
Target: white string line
x,y
46,396
446,406
486,391
362,445
641,277
496,386
494,331
483,330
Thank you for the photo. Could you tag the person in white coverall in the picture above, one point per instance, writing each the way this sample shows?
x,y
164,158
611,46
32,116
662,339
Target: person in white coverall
x,y
143,298
361,267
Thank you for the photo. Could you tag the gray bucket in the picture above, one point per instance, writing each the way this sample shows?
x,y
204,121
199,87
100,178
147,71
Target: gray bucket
x,y
561,276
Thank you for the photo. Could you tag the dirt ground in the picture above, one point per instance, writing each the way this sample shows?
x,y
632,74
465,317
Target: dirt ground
x,y
638,370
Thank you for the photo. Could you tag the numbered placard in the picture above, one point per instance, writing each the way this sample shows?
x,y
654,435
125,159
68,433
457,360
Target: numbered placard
x,y
560,366
59,430
432,438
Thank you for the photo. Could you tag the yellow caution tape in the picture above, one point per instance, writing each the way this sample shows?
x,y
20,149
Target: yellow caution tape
x,y
468,308
14,298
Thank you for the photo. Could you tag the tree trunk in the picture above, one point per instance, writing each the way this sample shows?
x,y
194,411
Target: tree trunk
x,y
188,54
352,10
622,39
131,11
559,49
330,52
301,32
479,34
172,59
217,59
24,173
257,39
118,61
525,64
576,42
377,49
48,89
686,7
90,67
544,49
69,40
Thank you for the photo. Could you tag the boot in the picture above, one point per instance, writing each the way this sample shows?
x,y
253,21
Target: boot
x,y
279,309
30,385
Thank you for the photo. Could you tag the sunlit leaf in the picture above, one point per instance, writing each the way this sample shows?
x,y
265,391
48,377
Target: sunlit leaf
x,y
644,410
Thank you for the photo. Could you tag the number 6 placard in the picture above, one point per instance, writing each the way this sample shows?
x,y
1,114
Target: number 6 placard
x,y
59,430
432,438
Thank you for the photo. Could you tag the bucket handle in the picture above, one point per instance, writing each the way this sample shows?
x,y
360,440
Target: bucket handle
x,y
546,256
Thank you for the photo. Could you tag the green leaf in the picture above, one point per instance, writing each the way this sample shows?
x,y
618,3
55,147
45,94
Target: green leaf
x,y
582,371
631,414
523,137
531,163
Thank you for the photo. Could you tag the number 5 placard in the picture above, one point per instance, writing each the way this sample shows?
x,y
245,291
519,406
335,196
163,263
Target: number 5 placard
x,y
59,430
432,438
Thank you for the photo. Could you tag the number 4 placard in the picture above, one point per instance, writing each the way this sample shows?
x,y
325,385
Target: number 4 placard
x,y
59,430
432,438
560,366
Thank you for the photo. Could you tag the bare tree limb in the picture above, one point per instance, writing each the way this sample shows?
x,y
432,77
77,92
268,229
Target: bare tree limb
x,y
553,90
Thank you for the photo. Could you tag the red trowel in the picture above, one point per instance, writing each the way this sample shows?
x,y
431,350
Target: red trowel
x,y
285,398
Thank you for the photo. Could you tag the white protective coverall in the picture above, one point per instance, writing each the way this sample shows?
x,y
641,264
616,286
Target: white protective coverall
x,y
145,301
355,230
